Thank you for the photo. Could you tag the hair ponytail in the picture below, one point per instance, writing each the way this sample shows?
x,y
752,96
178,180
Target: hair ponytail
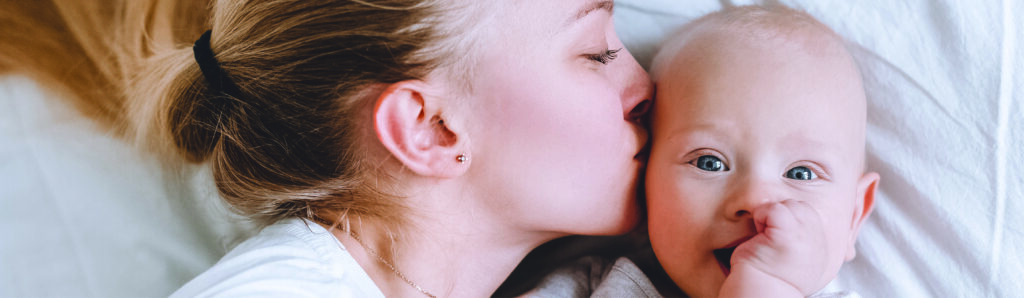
x,y
291,141
169,112
87,49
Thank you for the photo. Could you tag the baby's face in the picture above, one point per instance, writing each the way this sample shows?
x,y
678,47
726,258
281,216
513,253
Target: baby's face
x,y
738,124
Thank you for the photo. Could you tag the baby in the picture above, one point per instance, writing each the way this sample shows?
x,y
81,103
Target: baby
x,y
756,183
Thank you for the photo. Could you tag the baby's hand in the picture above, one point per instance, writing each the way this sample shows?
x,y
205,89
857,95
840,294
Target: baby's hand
x,y
789,248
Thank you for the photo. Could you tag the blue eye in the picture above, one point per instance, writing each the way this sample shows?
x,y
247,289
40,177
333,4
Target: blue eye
x,y
709,163
800,173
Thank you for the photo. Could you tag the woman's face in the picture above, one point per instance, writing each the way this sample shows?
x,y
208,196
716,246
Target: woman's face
x,y
553,136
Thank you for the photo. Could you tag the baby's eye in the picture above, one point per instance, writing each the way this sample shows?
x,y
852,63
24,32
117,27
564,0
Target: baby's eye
x,y
800,173
709,163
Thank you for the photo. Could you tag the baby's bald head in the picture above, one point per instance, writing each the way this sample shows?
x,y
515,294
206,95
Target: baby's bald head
x,y
778,41
778,26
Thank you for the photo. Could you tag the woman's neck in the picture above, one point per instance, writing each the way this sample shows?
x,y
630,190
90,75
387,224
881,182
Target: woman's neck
x,y
447,251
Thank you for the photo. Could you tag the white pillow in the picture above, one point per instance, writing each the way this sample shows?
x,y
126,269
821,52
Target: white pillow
x,y
84,214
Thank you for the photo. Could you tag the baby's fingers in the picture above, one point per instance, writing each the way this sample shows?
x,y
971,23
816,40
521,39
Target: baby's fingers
x,y
802,212
786,215
773,216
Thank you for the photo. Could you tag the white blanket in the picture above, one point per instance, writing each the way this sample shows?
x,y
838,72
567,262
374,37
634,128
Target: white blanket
x,y
82,214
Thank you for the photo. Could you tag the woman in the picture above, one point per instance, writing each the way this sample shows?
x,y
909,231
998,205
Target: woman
x,y
404,148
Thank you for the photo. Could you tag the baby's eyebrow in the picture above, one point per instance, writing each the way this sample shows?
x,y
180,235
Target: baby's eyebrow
x,y
797,140
705,132
713,128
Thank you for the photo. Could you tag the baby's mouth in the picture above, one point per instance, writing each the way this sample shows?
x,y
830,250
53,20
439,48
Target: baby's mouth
x,y
723,255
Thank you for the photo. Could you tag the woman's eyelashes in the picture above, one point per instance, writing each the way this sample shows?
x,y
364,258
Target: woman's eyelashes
x,y
604,57
709,163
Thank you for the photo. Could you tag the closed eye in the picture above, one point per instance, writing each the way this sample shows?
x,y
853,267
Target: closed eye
x,y
604,57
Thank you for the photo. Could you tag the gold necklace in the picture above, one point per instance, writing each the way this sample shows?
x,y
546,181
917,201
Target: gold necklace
x,y
386,263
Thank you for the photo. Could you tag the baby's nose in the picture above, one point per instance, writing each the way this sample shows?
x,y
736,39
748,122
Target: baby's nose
x,y
746,197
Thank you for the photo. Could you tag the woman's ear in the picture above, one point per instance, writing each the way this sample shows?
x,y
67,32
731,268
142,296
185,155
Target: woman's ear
x,y
865,203
409,123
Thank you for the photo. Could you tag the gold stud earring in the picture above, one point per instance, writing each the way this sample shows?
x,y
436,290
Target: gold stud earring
x,y
461,158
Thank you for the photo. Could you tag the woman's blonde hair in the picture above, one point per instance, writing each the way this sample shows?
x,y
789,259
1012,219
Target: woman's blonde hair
x,y
292,143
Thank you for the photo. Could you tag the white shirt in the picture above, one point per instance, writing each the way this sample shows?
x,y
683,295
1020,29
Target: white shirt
x,y
291,258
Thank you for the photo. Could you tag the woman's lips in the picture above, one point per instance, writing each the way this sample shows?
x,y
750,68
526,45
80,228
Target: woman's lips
x,y
643,153
724,255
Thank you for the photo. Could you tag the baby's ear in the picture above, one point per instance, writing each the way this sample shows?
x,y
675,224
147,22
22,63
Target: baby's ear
x,y
865,203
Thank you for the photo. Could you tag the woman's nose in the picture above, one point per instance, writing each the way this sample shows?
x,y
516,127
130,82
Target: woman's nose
x,y
638,91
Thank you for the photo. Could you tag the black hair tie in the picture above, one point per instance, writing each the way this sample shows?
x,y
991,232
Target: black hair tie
x,y
215,77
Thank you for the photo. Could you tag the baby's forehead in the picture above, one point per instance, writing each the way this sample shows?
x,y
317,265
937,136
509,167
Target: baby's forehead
x,y
772,26
763,84
736,38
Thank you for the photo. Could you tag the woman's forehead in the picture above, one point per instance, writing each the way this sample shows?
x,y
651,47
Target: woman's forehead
x,y
552,16
587,7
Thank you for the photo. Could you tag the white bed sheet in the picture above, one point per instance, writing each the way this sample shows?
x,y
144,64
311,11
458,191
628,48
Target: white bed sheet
x,y
82,214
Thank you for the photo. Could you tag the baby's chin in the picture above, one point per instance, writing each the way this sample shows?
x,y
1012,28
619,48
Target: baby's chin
x,y
709,289
705,283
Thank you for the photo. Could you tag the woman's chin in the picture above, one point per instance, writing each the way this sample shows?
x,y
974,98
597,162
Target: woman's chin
x,y
623,219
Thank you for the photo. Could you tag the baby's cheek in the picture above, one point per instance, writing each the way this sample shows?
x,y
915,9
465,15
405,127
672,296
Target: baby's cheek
x,y
660,205
837,216
662,214
663,202
669,219
669,238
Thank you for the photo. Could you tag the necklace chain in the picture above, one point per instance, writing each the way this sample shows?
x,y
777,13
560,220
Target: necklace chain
x,y
389,265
